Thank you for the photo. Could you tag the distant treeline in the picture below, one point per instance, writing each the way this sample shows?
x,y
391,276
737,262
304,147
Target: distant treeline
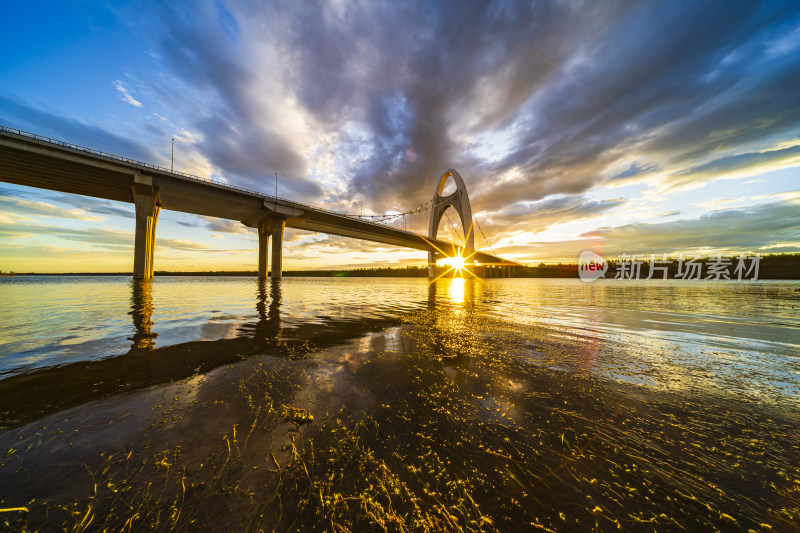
x,y
772,266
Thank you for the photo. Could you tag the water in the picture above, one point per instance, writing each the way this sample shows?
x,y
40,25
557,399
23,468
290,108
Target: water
x,y
511,404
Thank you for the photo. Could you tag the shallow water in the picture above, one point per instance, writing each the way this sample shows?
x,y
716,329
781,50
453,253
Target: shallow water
x,y
511,404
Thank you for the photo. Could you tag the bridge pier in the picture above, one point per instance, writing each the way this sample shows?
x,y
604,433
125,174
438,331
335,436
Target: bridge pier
x,y
271,228
278,225
146,200
263,248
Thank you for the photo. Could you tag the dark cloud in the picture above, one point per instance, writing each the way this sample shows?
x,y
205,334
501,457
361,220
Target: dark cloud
x,y
538,216
664,87
388,79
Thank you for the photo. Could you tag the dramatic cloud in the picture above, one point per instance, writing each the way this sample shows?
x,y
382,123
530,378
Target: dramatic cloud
x,y
545,98
547,212
538,104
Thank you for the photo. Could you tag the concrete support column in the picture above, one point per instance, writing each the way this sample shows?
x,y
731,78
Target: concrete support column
x,y
145,198
263,248
431,263
278,224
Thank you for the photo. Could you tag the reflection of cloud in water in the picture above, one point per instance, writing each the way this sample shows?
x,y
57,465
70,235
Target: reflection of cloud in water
x,y
215,330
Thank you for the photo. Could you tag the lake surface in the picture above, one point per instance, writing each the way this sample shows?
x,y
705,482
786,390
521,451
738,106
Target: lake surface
x,y
511,404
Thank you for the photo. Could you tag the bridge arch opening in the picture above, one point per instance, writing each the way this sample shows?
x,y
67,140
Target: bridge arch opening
x,y
448,186
450,227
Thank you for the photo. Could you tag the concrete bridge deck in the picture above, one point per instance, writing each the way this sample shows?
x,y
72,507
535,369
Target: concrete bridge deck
x,y
34,161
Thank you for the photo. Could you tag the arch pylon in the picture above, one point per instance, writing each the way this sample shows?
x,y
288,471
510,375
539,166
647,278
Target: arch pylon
x,y
459,200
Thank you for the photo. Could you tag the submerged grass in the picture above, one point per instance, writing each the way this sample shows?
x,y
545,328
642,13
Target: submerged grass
x,y
443,424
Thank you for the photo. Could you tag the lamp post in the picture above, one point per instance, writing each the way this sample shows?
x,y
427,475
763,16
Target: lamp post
x,y
172,158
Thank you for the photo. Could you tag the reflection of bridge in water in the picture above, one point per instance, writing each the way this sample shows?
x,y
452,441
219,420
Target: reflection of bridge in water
x,y
266,331
29,396
35,161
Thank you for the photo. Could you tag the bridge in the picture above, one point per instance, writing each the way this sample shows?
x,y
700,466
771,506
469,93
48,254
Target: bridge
x,y
35,161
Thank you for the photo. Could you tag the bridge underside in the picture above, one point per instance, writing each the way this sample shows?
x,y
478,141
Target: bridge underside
x,y
46,165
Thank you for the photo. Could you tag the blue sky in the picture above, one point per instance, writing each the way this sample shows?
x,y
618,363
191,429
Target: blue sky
x,y
663,127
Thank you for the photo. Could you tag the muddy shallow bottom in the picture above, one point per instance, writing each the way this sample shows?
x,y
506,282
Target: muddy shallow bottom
x,y
441,418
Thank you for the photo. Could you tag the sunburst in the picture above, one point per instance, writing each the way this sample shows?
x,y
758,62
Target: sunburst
x,y
457,262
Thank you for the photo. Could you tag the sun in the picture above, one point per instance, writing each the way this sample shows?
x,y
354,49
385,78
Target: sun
x,y
455,262
458,266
